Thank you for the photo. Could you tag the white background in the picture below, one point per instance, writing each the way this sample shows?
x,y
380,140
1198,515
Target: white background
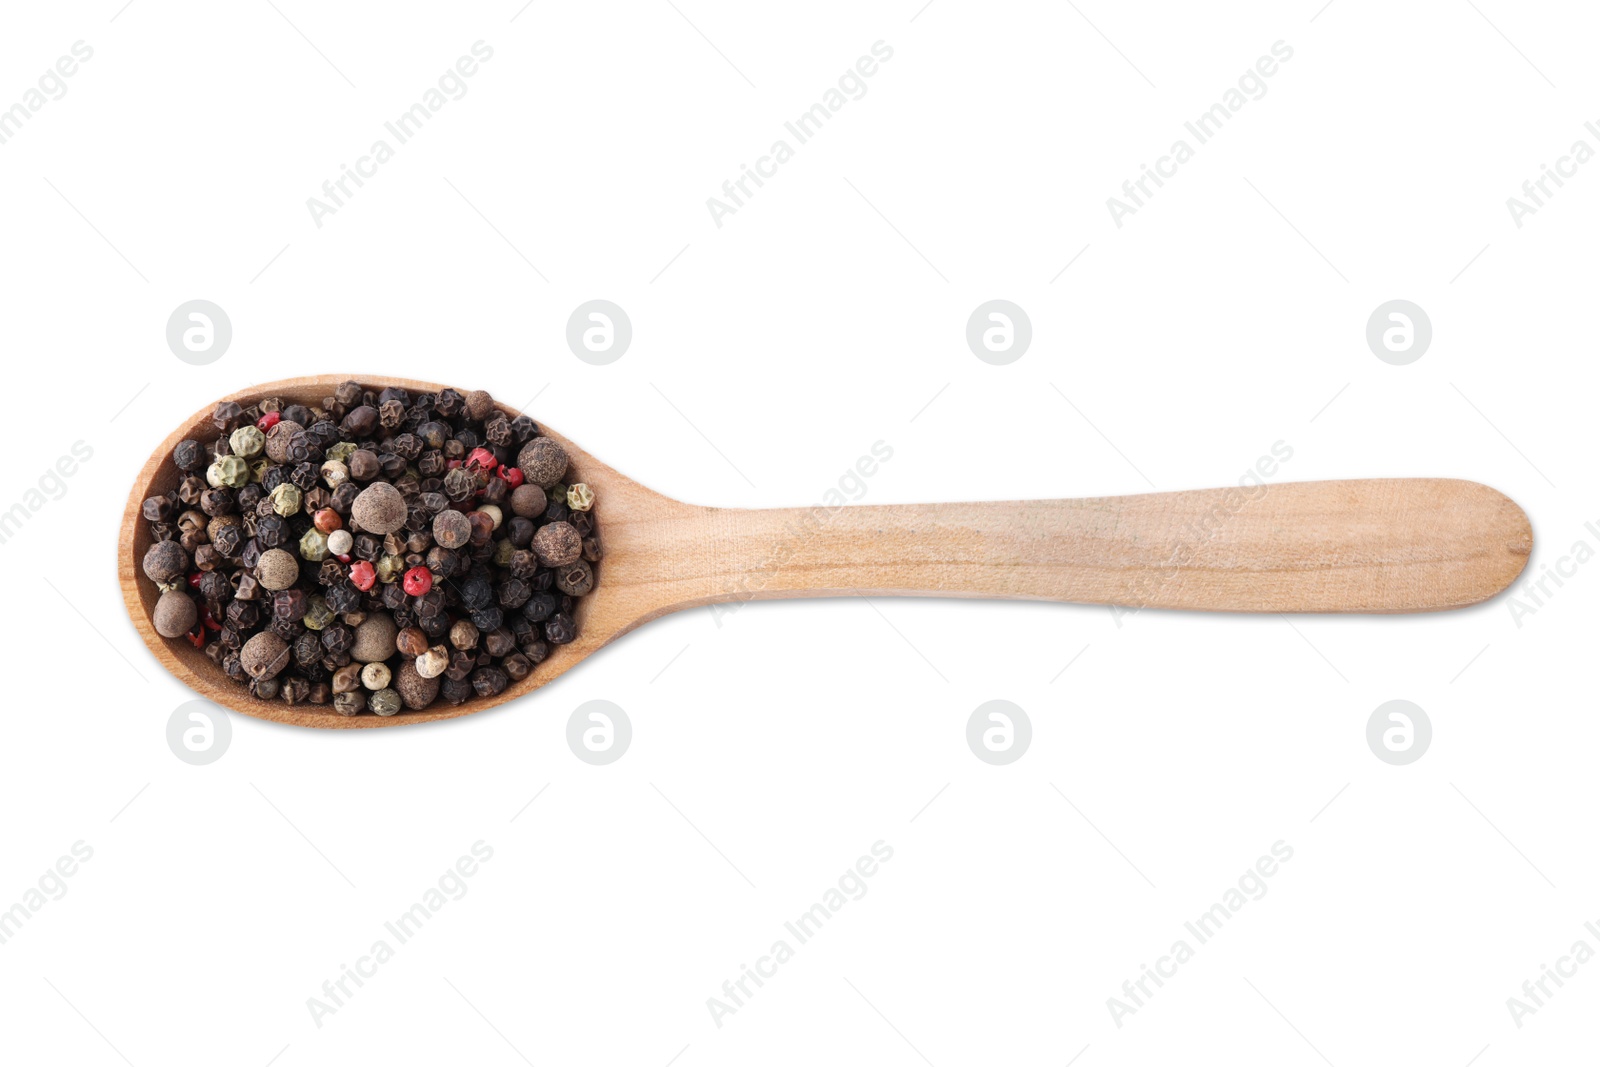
x,y
827,314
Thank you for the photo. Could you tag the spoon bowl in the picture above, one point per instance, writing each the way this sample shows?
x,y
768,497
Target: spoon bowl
x,y
1372,546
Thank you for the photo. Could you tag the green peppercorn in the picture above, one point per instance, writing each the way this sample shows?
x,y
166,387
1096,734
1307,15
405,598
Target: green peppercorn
x,y
390,568
503,551
247,441
314,545
580,497
229,471
385,702
286,497
318,614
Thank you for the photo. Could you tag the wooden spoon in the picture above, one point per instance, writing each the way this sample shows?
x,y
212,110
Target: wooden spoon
x,y
1376,545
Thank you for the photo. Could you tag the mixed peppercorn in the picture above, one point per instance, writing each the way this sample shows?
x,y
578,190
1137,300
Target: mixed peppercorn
x,y
378,552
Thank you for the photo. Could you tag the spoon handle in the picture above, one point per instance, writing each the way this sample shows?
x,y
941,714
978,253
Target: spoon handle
x,y
1376,545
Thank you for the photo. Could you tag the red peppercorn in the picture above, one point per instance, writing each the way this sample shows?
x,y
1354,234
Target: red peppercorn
x,y
327,520
510,475
194,579
268,421
451,464
197,638
482,459
207,620
362,575
418,580
343,557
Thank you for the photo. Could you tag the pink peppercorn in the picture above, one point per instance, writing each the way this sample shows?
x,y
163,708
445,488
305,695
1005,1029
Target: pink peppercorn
x,y
418,580
510,475
268,421
482,459
362,575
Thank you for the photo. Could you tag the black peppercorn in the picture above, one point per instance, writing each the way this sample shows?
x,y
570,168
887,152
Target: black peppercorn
x,y
343,498
476,592
347,394
190,456
429,604
514,592
338,638
325,431
245,586
294,690
559,629
540,606
489,681
289,605
498,431
449,403
487,618
522,428
517,666
363,465
191,489
227,417
272,531
243,614
342,598
499,642
308,648
218,502
215,587
274,476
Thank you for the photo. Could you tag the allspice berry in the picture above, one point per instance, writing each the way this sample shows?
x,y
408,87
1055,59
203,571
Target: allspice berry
x,y
479,404
380,509
175,614
165,562
528,500
557,544
542,462
451,529
576,578
277,569
264,655
416,691
375,639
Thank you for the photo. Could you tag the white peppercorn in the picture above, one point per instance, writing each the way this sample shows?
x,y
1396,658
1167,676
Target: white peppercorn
x,y
375,675
433,662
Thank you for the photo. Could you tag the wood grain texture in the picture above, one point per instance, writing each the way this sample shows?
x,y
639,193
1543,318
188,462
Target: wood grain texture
x,y
1376,545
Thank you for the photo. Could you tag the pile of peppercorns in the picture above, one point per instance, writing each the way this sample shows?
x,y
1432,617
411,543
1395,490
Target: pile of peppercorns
x,y
377,552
